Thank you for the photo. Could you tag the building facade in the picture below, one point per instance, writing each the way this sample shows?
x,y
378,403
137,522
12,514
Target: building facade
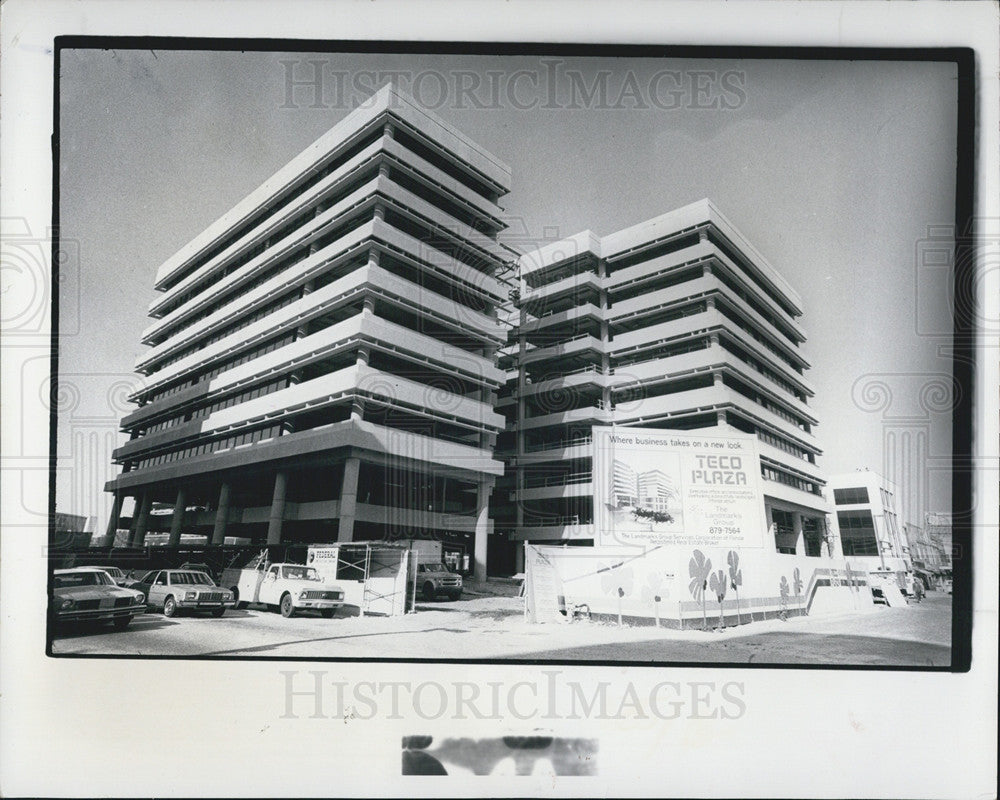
x,y
321,361
872,532
675,323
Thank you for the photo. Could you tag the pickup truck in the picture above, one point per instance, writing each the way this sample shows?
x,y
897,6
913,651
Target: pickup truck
x,y
435,578
288,587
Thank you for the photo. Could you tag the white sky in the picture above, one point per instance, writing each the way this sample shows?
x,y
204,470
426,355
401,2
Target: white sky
x,y
834,170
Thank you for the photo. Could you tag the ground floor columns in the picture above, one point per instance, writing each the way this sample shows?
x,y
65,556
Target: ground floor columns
x,y
277,508
177,519
348,500
116,513
142,520
221,515
518,557
482,530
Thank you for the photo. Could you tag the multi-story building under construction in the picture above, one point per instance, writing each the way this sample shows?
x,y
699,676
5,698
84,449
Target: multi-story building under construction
x,y
321,361
674,323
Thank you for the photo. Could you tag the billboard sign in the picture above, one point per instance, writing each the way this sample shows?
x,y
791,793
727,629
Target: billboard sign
x,y
663,487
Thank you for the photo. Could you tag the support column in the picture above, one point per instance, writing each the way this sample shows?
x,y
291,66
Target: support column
x,y
221,515
482,531
772,534
116,513
142,522
277,508
358,403
348,500
518,557
177,519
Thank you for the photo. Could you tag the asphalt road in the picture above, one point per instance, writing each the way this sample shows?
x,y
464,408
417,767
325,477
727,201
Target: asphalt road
x,y
493,628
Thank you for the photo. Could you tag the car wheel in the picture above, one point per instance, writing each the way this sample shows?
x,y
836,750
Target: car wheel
x,y
236,598
121,623
169,607
287,606
328,612
428,591
218,612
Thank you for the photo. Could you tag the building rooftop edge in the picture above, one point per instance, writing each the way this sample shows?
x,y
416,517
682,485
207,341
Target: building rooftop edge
x,y
387,98
691,215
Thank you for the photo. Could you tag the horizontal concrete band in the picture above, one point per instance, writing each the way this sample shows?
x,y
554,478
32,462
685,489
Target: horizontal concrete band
x,y
402,447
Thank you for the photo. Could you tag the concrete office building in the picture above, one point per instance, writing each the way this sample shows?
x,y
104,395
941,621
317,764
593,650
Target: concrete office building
x,y
675,323
322,359
871,532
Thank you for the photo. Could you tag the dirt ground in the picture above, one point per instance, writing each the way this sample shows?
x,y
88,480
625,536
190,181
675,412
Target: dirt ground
x,y
488,624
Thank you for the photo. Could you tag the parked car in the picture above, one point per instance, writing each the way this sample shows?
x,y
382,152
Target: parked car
x,y
175,590
85,593
434,579
117,574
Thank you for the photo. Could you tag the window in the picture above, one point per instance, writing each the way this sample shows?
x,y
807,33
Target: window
x,y
857,533
845,497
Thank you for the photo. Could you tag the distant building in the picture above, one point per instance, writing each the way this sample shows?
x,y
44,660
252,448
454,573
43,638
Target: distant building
x,y
871,532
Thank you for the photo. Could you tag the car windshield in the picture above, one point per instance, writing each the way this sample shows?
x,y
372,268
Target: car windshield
x,y
71,580
191,578
439,567
301,573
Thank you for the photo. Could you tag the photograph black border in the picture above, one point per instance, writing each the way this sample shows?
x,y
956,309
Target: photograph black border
x,y
966,314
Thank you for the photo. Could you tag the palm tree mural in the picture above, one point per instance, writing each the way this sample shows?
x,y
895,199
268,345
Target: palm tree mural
x,y
797,586
618,581
699,568
652,593
719,584
783,588
736,581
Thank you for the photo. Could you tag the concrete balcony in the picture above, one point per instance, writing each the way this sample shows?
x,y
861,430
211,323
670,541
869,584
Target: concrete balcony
x,y
557,452
579,344
597,416
585,489
691,217
259,234
442,180
710,398
337,294
709,359
388,103
703,322
790,462
406,448
422,255
553,532
703,254
417,208
562,287
790,494
585,377
645,304
295,274
584,311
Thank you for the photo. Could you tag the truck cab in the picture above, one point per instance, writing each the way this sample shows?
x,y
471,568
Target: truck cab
x,y
434,578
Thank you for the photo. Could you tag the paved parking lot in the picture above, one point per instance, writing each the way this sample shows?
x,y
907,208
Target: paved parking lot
x,y
492,627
